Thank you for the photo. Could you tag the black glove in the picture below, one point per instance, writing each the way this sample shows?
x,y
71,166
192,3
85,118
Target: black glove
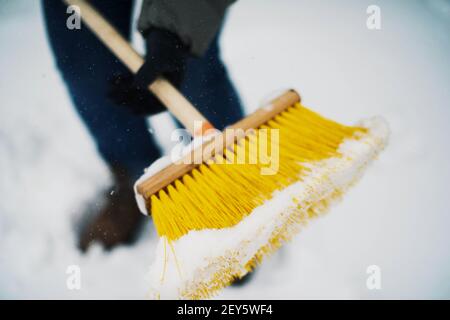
x,y
166,56
124,91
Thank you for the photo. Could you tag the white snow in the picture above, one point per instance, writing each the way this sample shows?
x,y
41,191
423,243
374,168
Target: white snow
x,y
396,217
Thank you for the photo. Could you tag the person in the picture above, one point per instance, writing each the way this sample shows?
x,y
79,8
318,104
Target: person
x,y
182,45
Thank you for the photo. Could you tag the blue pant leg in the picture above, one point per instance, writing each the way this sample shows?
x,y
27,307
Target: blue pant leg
x,y
208,86
122,138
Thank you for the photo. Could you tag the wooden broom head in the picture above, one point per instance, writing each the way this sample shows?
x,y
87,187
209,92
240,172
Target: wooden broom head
x,y
208,150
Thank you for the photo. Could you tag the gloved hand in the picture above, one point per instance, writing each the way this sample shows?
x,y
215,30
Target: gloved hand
x,y
166,56
124,91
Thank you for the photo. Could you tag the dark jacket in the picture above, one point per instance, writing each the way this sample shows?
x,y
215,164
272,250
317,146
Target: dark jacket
x,y
196,22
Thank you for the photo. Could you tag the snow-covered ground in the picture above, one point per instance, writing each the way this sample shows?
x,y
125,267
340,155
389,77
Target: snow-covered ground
x,y
397,217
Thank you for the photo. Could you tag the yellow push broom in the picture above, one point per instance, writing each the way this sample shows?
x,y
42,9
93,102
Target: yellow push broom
x,y
225,204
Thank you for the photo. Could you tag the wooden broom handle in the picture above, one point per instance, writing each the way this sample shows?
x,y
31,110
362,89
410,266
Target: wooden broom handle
x,y
177,104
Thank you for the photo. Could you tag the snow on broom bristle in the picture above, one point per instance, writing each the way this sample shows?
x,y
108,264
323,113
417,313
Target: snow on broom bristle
x,y
222,218
220,193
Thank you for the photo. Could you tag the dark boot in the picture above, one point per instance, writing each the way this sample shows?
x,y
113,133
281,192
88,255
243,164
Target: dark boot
x,y
118,221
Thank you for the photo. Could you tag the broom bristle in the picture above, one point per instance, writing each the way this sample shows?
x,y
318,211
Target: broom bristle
x,y
220,193
223,217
